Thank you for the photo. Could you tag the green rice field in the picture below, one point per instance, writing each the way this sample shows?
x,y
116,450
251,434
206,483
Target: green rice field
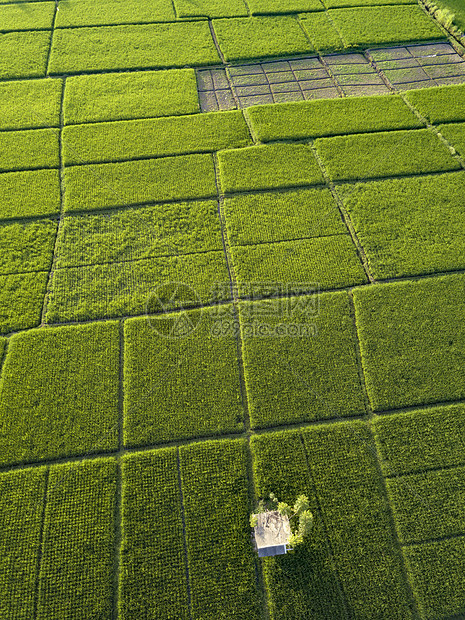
x,y
200,308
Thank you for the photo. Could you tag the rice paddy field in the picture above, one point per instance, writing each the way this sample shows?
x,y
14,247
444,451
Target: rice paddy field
x,y
232,262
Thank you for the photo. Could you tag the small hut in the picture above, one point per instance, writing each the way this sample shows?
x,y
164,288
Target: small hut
x,y
272,533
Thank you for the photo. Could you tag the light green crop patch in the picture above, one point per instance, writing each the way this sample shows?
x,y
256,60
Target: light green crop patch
x,y
29,193
337,4
133,234
21,300
220,555
21,509
344,467
436,572
384,25
23,54
30,103
27,16
124,289
332,262
297,379
425,439
410,226
439,105
455,134
100,186
268,217
43,417
210,8
132,47
76,570
149,584
263,7
322,32
330,117
32,148
121,96
88,13
412,339
260,37
428,505
27,246
266,167
365,156
200,392
157,137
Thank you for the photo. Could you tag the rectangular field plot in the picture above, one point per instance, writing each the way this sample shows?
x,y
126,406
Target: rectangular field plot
x,y
124,96
42,416
87,13
322,32
132,47
436,573
29,193
320,380
410,226
77,558
26,16
30,103
134,234
412,341
153,571
21,300
330,261
429,438
23,54
123,289
21,510
384,154
455,135
260,37
33,148
100,186
189,378
210,8
428,505
439,105
155,137
220,553
265,167
262,7
337,4
314,119
267,217
27,247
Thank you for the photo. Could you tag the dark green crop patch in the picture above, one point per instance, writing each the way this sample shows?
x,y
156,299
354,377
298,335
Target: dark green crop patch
x,y
263,7
260,37
412,346
21,300
23,54
428,438
29,149
155,137
266,167
268,217
125,96
26,16
455,135
76,50
191,383
87,13
318,118
30,103
210,8
439,105
42,416
149,582
123,289
220,554
76,569
134,234
29,193
297,379
410,226
21,509
100,186
331,262
428,505
27,246
337,4
365,156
